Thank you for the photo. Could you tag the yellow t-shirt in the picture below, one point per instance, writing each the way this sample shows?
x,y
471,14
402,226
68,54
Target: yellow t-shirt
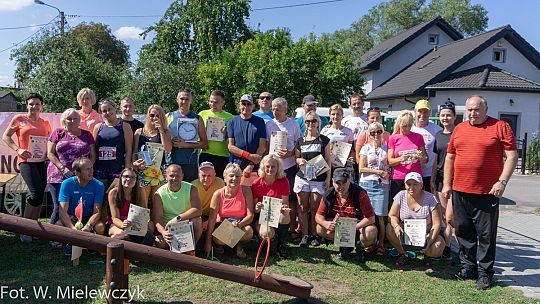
x,y
174,203
206,195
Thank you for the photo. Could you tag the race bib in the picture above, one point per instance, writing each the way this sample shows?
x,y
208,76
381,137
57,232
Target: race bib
x,y
107,153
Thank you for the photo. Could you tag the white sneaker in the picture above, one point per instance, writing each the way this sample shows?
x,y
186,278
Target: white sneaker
x,y
25,238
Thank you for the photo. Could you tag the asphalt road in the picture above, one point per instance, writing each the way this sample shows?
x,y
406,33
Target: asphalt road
x,y
522,195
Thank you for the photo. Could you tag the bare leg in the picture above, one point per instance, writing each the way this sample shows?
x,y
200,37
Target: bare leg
x,y
393,239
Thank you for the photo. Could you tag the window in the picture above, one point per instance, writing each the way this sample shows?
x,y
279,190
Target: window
x,y
433,39
499,55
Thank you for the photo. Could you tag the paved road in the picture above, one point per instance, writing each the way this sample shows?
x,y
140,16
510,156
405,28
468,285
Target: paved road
x,y
522,194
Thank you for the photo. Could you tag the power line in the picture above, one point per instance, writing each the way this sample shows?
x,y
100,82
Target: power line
x,y
21,27
18,43
114,16
296,5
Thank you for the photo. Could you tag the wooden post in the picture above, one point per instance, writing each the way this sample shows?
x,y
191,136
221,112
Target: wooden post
x,y
115,271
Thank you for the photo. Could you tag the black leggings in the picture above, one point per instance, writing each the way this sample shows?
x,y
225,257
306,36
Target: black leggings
x,y
34,175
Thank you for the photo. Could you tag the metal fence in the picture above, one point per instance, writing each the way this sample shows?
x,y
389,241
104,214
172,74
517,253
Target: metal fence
x,y
528,155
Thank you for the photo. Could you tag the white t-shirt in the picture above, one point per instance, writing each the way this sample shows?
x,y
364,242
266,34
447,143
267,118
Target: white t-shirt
x,y
344,134
376,159
356,124
293,134
428,133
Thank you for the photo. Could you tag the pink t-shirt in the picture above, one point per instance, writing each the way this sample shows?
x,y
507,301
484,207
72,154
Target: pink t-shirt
x,y
278,189
234,207
68,148
405,143
88,121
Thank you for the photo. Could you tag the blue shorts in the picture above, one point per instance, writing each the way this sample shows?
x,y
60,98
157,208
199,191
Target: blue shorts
x,y
378,195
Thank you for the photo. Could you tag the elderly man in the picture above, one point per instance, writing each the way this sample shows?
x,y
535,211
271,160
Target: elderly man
x,y
480,160
207,184
357,120
217,152
82,187
345,199
265,107
188,136
309,103
247,137
175,201
127,107
428,130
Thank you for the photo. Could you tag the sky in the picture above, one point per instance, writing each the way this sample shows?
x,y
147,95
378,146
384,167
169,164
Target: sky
x,y
301,21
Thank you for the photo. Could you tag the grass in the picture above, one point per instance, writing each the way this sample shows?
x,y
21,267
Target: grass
x,y
537,210
335,281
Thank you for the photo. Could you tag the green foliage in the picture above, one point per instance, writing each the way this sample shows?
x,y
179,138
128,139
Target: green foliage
x,y
388,19
102,43
272,62
533,154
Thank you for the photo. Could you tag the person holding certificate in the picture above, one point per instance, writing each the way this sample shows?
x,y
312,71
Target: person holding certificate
x,y
31,149
417,204
308,184
64,146
233,203
374,177
272,182
154,131
89,117
338,133
114,143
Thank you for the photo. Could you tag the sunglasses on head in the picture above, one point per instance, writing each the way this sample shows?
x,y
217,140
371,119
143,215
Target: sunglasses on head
x,y
154,115
312,121
374,109
378,132
265,97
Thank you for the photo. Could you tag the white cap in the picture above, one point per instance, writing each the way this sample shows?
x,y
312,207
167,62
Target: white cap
x,y
414,175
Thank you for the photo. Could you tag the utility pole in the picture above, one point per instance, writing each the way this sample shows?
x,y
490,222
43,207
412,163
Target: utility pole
x,y
60,15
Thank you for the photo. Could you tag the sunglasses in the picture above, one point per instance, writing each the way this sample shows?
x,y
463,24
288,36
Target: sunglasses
x,y
378,132
265,97
374,109
246,104
446,106
154,115
312,121
129,177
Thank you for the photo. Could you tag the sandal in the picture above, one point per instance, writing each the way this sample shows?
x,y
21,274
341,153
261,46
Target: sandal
x,y
380,251
370,249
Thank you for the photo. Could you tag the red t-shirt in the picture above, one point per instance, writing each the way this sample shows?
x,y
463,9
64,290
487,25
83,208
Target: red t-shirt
x,y
24,127
347,209
278,189
479,154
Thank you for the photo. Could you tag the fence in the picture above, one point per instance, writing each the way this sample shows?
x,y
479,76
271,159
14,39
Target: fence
x,y
528,155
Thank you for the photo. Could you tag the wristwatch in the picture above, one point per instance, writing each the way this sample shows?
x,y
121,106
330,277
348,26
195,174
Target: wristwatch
x,y
503,182
179,218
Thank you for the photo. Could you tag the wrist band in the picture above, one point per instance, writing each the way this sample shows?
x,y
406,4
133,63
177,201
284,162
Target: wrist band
x,y
245,154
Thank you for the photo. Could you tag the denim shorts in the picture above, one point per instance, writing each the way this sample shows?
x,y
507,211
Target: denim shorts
x,y
378,195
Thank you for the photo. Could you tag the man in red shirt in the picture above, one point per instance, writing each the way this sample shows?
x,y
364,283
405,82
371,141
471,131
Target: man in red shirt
x,y
476,162
347,200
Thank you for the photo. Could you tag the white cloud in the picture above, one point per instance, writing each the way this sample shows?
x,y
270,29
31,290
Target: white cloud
x,y
128,33
5,80
14,5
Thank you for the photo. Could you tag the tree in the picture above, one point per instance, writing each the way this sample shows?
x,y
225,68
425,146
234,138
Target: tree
x,y
272,62
388,19
102,43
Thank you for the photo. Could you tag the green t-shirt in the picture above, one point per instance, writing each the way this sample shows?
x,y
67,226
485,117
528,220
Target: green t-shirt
x,y
218,148
175,203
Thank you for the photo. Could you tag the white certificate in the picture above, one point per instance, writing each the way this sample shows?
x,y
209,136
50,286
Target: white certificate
x,y
38,148
340,153
415,232
156,151
270,211
139,217
188,129
214,128
182,236
278,141
228,233
314,167
345,233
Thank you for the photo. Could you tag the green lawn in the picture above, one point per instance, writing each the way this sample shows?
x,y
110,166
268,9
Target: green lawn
x,y
35,264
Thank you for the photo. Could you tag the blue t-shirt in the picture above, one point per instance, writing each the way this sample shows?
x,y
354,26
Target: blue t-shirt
x,y
183,156
265,116
92,194
246,135
300,121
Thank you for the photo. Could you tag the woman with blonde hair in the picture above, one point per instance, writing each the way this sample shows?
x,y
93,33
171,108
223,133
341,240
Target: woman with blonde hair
x,y
233,203
406,151
89,117
273,182
154,131
307,185
335,131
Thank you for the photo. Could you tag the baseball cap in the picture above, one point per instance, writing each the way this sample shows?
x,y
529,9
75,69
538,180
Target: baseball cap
x,y
309,99
246,97
422,104
206,164
340,174
414,175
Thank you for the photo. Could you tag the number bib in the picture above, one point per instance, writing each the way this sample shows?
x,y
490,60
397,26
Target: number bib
x,y
107,153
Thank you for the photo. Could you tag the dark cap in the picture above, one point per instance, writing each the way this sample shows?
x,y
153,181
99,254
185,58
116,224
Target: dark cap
x,y
341,174
309,99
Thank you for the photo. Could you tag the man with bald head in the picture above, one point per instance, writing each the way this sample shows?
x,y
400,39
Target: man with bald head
x,y
265,107
480,159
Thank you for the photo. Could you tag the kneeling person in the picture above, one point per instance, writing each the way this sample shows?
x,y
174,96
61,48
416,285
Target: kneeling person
x,y
349,200
175,201
82,186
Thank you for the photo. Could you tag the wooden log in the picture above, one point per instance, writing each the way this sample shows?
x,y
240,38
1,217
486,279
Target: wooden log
x,y
286,285
115,272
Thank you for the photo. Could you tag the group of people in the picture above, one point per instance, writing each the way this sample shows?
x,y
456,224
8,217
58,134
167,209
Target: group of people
x,y
450,177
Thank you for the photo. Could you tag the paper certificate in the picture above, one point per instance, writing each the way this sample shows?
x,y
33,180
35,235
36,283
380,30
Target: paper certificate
x,y
278,141
270,211
214,128
182,236
228,234
139,217
156,151
340,153
345,234
38,148
314,167
415,232
188,129
411,159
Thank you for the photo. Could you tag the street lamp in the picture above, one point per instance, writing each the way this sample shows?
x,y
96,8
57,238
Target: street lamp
x,y
60,14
